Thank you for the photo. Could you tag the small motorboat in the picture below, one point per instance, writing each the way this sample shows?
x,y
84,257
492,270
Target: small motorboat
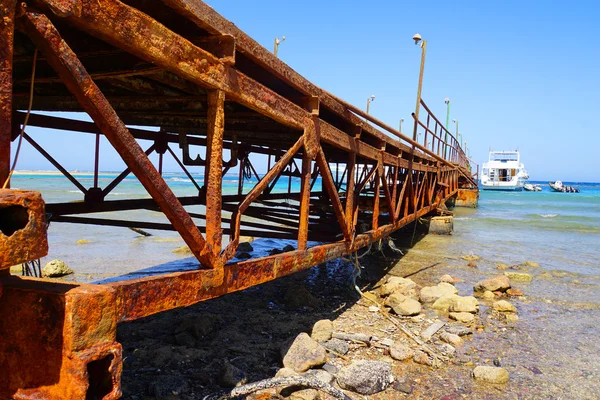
x,y
532,188
558,186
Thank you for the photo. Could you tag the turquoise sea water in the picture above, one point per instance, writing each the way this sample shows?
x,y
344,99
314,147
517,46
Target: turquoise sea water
x,y
559,230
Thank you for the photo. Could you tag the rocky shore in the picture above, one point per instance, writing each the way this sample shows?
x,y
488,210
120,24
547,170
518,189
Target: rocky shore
x,y
429,325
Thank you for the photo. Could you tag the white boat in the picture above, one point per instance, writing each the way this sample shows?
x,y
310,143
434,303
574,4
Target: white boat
x,y
504,171
532,188
558,186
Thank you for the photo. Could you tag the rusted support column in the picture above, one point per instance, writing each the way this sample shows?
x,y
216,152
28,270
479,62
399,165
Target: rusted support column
x,y
304,201
375,222
350,193
212,172
59,55
7,24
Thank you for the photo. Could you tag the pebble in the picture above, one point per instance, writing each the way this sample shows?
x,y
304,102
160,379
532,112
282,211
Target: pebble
x,y
504,306
459,330
514,292
400,351
451,338
462,316
502,267
422,358
487,295
531,264
491,374
322,330
304,353
403,386
447,349
472,264
464,304
55,269
332,369
365,377
447,279
403,305
470,257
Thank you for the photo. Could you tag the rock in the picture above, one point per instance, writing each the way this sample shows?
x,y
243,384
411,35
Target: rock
x,y
304,353
403,305
497,283
531,264
241,255
56,268
472,264
519,277
502,267
462,316
510,318
83,241
320,375
504,306
183,250
167,385
304,394
459,330
231,376
400,351
447,349
471,257
487,295
447,279
403,386
245,247
444,302
451,338
285,373
464,304
431,330
491,374
322,330
246,239
288,247
332,369
298,296
273,252
430,294
337,345
422,358
514,292
365,377
397,284
16,269
441,225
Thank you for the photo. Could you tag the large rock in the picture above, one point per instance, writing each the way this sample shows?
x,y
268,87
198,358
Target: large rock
x,y
401,352
430,294
55,269
491,374
304,353
444,302
504,306
365,377
520,277
397,284
322,330
499,283
464,304
403,305
245,247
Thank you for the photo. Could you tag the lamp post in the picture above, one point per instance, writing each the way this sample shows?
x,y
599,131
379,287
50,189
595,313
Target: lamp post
x,y
401,121
277,42
417,38
447,101
457,134
369,100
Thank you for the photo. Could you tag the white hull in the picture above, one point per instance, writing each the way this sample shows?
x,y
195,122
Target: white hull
x,y
504,171
501,186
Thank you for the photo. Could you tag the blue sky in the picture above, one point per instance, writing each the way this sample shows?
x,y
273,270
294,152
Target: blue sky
x,y
518,75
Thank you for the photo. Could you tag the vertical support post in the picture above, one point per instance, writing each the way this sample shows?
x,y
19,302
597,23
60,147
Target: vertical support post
x,y
241,178
304,201
7,31
96,160
212,172
350,193
375,222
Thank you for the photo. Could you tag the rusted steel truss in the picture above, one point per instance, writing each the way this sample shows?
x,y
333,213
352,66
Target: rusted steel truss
x,y
210,89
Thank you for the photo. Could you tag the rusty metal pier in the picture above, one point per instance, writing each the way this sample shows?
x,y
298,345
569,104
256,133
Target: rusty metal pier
x,y
210,89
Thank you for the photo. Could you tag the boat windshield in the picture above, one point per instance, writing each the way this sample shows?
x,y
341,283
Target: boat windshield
x,y
504,156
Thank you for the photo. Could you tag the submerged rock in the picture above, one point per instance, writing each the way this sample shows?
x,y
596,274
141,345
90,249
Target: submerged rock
x,y
245,247
451,338
491,374
365,377
497,283
447,279
55,269
531,264
183,250
519,277
504,306
514,292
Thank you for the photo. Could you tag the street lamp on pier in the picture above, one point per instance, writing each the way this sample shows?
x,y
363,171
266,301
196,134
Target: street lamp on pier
x,y
423,43
369,100
277,42
401,121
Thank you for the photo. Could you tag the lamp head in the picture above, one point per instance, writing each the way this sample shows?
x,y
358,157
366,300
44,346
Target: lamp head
x,y
417,38
446,100
454,120
402,119
282,38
